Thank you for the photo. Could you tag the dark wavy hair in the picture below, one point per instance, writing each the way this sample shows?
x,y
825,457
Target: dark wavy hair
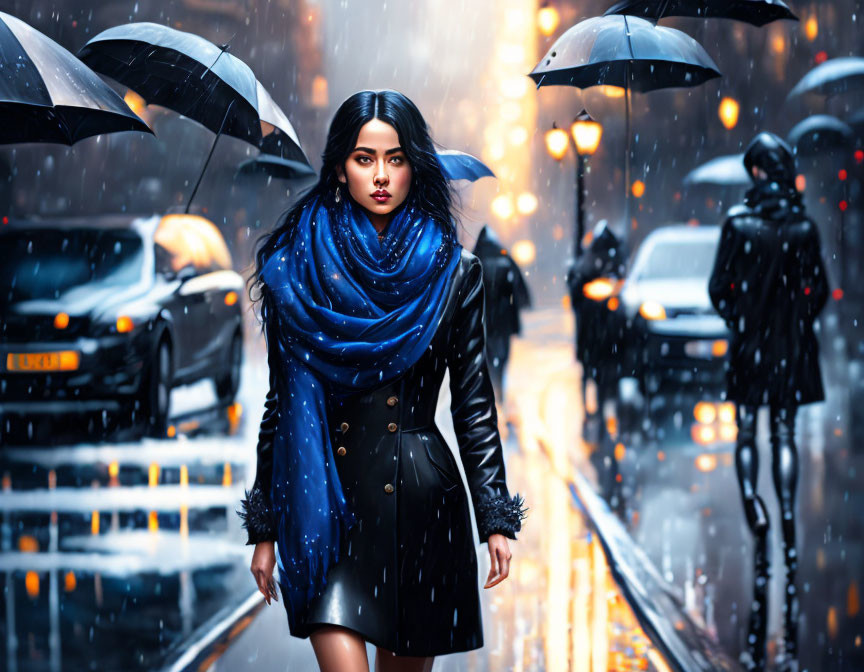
x,y
430,192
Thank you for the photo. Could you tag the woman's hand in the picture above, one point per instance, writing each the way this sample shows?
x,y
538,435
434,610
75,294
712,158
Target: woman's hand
x,y
263,562
499,556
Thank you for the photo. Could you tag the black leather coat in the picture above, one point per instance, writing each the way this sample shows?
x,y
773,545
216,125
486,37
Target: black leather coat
x,y
408,581
504,286
769,285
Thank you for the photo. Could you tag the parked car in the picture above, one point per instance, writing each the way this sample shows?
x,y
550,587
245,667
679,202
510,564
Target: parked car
x,y
675,338
109,313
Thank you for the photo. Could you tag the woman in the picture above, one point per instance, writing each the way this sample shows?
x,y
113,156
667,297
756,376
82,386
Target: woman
x,y
366,298
769,285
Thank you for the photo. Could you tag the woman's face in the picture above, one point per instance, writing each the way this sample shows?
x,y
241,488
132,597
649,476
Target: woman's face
x,y
377,171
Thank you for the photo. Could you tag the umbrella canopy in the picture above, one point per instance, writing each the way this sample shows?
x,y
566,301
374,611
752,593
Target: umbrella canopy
x,y
628,52
834,76
819,133
462,166
624,51
48,95
757,12
724,171
192,76
275,166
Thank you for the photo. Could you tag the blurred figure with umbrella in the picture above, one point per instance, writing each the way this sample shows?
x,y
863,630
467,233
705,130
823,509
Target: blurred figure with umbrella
x,y
769,284
591,281
506,295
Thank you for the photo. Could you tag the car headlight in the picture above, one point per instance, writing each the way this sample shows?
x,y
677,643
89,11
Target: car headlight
x,y
598,290
124,324
651,310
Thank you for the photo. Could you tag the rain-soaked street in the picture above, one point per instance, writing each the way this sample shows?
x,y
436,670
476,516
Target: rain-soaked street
x,y
117,555
664,205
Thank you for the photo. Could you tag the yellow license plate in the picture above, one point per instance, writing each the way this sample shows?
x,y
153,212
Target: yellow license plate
x,y
66,360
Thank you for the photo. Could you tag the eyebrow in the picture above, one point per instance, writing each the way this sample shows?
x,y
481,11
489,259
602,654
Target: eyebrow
x,y
369,150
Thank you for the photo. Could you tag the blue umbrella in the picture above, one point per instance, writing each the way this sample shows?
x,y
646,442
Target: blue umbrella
x,y
48,95
837,75
462,166
723,171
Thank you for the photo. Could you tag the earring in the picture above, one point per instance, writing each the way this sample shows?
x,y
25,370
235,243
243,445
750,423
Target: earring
x,y
338,197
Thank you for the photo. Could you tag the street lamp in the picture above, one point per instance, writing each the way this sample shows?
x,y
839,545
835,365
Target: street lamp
x,y
556,142
548,19
586,134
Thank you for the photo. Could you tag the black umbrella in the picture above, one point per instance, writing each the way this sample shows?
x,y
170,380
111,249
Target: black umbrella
x,y
835,76
819,133
757,12
275,166
628,52
48,95
192,76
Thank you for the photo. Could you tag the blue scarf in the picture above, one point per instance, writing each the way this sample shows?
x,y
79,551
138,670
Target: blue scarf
x,y
352,314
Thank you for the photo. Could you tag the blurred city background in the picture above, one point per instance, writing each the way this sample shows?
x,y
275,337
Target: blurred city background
x,y
100,573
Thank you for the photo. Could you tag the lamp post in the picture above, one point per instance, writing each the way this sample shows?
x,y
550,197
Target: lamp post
x,y
585,133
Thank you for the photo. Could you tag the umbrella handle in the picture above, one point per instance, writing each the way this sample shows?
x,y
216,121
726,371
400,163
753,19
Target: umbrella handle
x,y
209,156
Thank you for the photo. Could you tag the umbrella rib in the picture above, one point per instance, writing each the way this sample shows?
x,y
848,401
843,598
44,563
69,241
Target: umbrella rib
x,y
222,50
629,43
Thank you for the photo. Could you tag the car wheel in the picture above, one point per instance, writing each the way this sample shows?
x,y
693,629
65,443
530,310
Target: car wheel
x,y
229,382
158,392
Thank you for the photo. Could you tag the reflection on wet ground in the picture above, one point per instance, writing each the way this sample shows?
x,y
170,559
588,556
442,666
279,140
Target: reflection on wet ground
x,y
679,496
116,554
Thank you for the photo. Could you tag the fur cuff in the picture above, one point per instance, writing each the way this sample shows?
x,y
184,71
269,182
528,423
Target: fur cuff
x,y
499,514
257,517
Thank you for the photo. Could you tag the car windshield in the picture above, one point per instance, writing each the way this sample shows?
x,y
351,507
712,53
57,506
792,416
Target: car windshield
x,y
678,259
45,263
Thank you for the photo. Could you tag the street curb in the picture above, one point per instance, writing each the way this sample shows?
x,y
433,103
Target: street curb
x,y
684,645
214,636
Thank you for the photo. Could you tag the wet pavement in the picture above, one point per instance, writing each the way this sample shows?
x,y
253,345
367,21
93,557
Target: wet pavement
x,y
116,555
560,609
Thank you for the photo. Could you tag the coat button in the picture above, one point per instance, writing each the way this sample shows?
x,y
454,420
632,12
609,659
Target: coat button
x,y
388,488
341,450
391,401
344,427
392,426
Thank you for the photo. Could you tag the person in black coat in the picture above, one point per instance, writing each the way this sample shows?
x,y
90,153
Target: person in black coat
x,y
506,296
598,334
406,575
769,285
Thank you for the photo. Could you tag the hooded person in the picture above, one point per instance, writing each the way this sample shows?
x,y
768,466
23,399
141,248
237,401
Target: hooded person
x,y
769,285
597,335
506,295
